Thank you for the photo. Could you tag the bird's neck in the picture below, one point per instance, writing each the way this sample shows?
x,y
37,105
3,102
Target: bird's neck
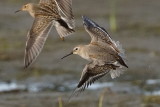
x,y
32,10
32,14
84,52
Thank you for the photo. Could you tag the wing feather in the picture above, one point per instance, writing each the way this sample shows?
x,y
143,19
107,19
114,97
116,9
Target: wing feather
x,y
90,74
45,1
65,6
98,34
36,39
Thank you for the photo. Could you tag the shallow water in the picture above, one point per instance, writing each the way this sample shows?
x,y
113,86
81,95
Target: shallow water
x,y
138,31
121,87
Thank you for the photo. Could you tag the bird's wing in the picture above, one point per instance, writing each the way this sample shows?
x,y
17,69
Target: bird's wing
x,y
65,6
98,34
50,4
90,74
46,1
36,39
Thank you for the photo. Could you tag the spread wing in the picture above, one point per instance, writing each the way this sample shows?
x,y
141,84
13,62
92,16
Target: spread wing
x,y
65,7
90,74
36,39
46,1
50,4
98,34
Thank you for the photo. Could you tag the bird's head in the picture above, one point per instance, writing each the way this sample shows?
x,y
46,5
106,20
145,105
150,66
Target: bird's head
x,y
26,7
75,50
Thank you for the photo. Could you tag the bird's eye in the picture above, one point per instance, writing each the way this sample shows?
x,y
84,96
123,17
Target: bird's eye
x,y
76,49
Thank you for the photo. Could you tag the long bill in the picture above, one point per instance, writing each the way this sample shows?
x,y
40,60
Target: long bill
x,y
18,11
67,55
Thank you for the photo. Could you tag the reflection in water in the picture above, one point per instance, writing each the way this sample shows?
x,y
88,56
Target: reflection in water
x,y
101,85
7,87
37,87
152,93
153,81
124,87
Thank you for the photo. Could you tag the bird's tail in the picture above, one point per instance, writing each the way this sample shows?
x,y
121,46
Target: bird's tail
x,y
63,28
119,46
116,72
121,55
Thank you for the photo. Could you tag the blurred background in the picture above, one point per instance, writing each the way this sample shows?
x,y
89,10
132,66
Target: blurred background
x,y
50,81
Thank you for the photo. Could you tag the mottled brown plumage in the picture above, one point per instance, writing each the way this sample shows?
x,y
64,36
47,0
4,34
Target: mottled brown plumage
x,y
92,72
47,13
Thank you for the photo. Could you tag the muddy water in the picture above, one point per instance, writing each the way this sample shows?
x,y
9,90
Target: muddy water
x,y
114,86
49,78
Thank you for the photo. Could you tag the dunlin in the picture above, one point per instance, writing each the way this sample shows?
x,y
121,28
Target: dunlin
x,y
104,54
46,13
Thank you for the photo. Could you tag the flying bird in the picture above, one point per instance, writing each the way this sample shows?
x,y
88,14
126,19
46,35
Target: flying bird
x,y
46,14
105,55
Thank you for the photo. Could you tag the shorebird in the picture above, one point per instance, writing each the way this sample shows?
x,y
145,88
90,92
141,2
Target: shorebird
x,y
46,13
104,54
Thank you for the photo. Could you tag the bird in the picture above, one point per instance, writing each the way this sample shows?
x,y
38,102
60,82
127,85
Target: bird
x,y
103,53
46,13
